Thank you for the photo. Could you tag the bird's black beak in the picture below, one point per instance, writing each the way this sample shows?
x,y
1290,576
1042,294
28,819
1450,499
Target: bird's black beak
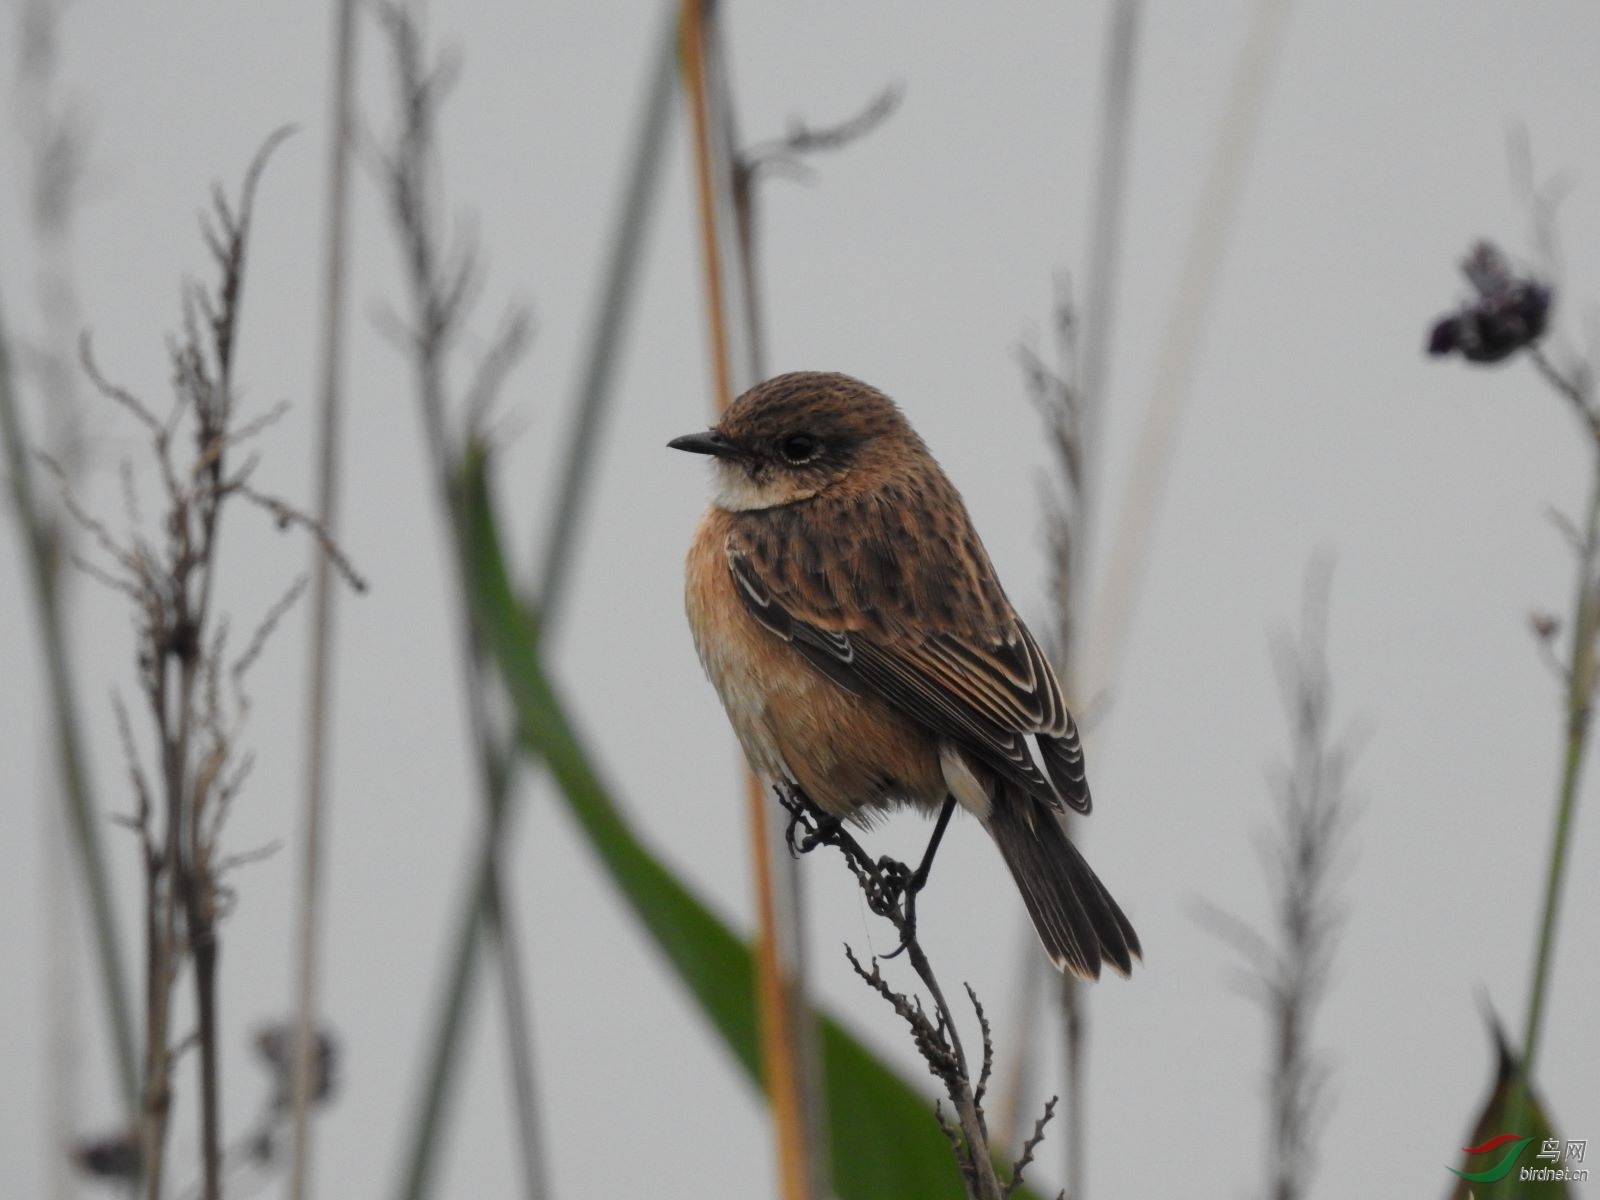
x,y
710,442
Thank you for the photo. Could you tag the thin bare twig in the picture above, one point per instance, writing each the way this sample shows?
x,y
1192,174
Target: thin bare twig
x,y
787,154
258,640
1035,1139
286,515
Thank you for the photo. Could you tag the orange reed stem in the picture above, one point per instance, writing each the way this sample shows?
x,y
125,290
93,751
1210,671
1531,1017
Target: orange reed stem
x,y
780,1054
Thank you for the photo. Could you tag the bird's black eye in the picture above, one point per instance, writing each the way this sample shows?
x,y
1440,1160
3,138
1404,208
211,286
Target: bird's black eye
x,y
800,447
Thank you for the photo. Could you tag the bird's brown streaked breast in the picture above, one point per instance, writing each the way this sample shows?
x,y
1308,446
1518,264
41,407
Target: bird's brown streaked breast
x,y
795,723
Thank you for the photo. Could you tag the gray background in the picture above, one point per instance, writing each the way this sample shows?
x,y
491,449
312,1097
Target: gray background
x,y
916,261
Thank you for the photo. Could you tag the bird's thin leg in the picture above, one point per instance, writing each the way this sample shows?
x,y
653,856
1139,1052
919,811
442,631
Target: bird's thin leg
x,y
918,879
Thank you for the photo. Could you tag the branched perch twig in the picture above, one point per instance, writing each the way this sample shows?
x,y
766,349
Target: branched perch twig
x,y
884,883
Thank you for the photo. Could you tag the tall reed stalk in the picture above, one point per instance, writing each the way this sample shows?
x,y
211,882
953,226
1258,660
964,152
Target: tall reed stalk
x,y
1094,635
1074,541
57,141
442,276
1507,312
1199,276
1576,388
319,701
791,1080
480,900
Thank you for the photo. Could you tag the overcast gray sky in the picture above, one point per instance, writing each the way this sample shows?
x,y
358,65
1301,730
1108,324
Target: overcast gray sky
x,y
916,260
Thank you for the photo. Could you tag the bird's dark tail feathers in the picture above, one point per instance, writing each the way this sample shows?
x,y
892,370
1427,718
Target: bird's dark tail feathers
x,y
1076,918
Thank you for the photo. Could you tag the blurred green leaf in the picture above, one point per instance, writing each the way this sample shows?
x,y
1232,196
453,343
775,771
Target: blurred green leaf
x,y
1479,1173
45,549
884,1141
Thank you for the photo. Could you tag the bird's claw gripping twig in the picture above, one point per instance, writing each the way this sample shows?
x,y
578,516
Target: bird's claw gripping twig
x,y
809,827
889,885
899,886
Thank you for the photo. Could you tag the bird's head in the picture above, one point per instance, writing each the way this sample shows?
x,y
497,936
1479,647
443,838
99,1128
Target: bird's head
x,y
801,435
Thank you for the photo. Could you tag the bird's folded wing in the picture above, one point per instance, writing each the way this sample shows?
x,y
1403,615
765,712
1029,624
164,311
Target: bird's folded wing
x,y
987,693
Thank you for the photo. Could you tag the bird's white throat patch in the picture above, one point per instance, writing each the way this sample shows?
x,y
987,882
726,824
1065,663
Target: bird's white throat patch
x,y
737,492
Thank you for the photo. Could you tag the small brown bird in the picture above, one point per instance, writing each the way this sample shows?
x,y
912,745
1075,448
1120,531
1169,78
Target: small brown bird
x,y
851,621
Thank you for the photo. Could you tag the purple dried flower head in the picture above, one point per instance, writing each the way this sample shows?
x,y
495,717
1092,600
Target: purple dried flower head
x,y
275,1045
1505,313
